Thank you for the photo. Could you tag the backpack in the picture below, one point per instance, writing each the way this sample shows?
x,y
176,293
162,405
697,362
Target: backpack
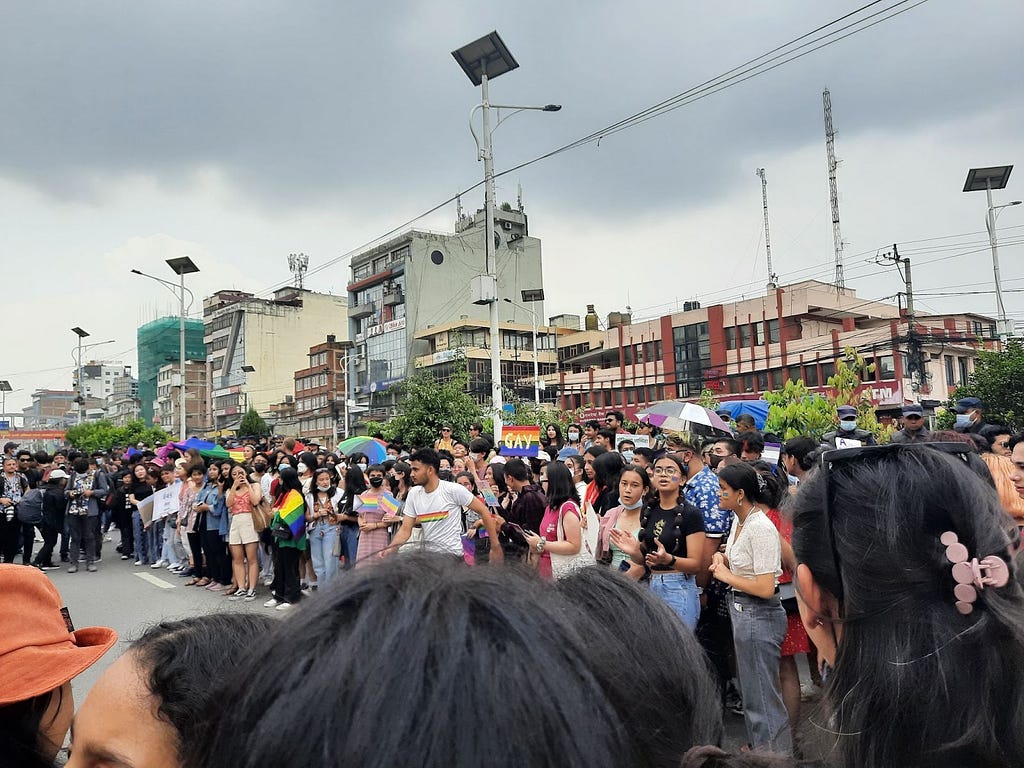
x,y
30,508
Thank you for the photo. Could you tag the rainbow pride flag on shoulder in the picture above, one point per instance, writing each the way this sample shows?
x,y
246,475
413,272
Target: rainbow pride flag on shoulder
x,y
293,512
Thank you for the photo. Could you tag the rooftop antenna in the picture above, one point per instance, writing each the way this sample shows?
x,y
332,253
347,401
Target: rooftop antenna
x,y
833,191
773,279
519,196
298,263
458,209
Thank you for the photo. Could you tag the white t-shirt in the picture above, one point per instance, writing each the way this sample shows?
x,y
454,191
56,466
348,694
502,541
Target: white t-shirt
x,y
440,514
755,549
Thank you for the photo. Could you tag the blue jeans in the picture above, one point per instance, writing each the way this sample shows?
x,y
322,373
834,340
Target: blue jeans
x,y
679,590
321,551
142,551
349,544
758,629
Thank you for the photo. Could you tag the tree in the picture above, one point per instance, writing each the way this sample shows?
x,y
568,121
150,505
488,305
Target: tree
x,y
253,424
104,435
848,390
998,381
427,404
796,411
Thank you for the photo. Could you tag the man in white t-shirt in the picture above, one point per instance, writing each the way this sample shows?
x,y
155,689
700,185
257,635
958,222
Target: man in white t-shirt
x,y
437,506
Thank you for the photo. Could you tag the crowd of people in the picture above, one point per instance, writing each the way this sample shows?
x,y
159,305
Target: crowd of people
x,y
654,584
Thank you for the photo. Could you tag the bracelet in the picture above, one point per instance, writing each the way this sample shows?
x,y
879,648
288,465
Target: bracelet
x,y
672,564
540,545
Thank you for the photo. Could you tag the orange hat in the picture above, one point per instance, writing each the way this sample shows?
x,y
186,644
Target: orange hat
x,y
40,649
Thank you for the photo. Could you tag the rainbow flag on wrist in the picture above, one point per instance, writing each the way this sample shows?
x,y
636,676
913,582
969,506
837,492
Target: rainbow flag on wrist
x,y
293,512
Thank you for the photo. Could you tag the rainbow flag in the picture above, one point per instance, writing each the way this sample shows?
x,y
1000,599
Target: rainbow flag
x,y
384,502
237,455
293,512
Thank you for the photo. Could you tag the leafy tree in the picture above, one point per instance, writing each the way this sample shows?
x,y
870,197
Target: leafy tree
x,y
846,383
708,399
103,435
253,424
796,411
998,381
427,404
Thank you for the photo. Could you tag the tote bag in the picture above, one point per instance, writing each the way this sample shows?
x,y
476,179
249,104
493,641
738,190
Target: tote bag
x,y
563,565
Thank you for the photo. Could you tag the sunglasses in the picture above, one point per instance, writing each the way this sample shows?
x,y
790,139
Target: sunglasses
x,y
830,460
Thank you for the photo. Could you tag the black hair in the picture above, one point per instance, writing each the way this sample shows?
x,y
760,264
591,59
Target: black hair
x,y
518,470
595,450
743,477
645,478
560,485
21,725
428,457
879,553
647,453
287,480
607,467
558,441
745,419
445,628
376,468
1016,440
498,473
678,706
42,457
81,465
734,445
578,428
773,492
183,660
309,459
325,471
22,452
624,441
751,442
609,435
592,424
472,479
801,449
617,415
479,445
355,484
674,458
990,432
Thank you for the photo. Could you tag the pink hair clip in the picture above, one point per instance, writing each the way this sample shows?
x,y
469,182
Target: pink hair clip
x,y
971,575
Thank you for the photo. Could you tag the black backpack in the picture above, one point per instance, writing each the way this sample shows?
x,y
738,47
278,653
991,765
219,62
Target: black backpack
x,y
30,508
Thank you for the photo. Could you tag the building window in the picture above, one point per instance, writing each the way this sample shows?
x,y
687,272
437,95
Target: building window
x,y
744,340
730,337
962,361
627,355
811,375
773,332
795,373
762,381
759,333
776,378
950,379
886,368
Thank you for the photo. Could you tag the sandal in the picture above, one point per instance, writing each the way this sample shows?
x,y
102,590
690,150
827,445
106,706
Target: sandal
x,y
192,582
203,582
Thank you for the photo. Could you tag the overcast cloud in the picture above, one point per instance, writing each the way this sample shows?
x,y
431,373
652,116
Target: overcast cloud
x,y
238,132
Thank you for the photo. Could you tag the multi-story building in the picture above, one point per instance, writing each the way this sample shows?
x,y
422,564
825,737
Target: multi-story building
x,y
742,349
51,408
168,404
254,346
159,343
320,393
99,379
420,280
123,405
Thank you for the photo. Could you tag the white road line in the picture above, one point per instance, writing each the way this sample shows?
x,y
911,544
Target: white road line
x,y
155,580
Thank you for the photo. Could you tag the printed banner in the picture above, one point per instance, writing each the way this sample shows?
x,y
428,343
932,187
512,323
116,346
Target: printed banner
x,y
520,441
165,502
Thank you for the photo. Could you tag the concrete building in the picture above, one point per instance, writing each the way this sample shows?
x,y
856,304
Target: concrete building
x,y
159,343
742,349
168,404
51,408
99,379
320,393
254,346
420,280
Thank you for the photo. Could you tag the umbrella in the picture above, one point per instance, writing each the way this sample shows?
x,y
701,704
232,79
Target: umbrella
x,y
375,450
680,416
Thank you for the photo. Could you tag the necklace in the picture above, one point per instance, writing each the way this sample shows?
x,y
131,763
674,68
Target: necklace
x,y
739,523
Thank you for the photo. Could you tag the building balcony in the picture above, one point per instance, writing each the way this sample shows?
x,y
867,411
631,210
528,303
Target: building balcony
x,y
393,298
360,311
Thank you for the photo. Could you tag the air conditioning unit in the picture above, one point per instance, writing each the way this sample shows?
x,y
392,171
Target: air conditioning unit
x,y
506,225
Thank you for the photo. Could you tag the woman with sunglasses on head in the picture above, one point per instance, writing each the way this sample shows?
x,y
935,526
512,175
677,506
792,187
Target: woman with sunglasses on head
x,y
906,584
750,566
671,541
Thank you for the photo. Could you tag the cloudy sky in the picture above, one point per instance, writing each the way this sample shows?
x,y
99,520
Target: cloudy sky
x,y
237,132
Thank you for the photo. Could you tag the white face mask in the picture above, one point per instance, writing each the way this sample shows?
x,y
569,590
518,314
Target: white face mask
x,y
301,468
323,486
573,434
362,467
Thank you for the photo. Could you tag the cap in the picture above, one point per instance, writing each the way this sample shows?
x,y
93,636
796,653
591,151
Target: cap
x,y
40,649
544,456
566,452
966,404
58,474
913,409
846,410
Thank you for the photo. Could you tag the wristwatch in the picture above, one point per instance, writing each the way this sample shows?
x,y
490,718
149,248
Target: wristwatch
x,y
541,544
672,564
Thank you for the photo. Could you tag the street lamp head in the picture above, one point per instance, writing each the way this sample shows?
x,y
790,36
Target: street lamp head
x,y
993,177
552,107
136,272
1016,202
182,265
485,56
80,333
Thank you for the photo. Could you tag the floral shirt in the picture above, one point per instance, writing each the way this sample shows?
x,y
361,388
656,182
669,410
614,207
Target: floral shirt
x,y
701,490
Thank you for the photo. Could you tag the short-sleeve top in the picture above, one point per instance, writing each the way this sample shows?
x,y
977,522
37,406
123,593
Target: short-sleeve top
x,y
671,527
753,549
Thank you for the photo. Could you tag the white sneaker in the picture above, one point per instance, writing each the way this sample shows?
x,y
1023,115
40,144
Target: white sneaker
x,y
138,562
272,603
283,607
809,691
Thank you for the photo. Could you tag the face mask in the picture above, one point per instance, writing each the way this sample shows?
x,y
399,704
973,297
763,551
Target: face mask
x,y
362,467
628,456
848,425
714,461
574,435
635,505
445,474
963,420
301,469
260,467
474,457
323,487
376,482
281,467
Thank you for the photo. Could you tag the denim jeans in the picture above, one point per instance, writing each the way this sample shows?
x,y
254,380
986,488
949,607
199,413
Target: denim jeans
x,y
143,553
349,544
321,551
679,590
758,629
85,530
155,541
170,549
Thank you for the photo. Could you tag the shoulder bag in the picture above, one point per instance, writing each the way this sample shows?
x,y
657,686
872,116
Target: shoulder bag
x,y
563,565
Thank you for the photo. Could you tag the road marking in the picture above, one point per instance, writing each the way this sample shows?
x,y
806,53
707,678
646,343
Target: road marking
x,y
155,580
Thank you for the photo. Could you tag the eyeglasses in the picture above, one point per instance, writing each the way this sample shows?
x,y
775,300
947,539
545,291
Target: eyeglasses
x,y
666,471
830,459
446,430
1002,443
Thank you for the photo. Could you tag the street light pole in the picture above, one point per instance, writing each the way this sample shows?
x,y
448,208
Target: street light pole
x,y
990,224
81,391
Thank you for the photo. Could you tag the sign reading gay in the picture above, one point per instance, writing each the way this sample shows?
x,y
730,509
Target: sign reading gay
x,y
520,441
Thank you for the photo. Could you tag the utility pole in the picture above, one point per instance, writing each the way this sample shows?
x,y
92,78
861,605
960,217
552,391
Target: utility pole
x,y
915,352
833,188
773,279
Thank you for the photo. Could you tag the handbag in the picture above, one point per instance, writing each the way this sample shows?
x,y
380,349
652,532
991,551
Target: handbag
x,y
281,531
564,565
262,514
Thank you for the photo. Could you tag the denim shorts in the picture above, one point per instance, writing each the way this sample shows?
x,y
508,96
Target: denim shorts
x,y
679,590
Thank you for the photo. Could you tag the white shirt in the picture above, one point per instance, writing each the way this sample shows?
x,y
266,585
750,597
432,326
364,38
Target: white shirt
x,y
440,514
755,548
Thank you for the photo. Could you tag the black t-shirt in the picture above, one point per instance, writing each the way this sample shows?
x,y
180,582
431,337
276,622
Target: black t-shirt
x,y
671,527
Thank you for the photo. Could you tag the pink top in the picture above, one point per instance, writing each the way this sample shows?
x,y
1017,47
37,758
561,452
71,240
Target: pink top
x,y
549,532
242,503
